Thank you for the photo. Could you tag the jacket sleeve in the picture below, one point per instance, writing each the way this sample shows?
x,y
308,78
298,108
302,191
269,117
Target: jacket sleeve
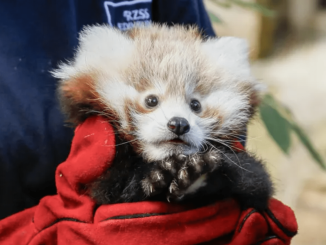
x,y
187,12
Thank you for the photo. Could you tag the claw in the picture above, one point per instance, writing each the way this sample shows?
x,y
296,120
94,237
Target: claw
x,y
166,165
182,157
183,174
168,198
213,158
147,187
196,162
156,176
174,186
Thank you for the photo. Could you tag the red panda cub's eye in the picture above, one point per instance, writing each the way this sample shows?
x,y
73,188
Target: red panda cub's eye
x,y
151,101
195,105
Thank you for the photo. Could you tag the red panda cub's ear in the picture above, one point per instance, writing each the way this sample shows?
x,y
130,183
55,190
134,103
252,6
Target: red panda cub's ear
x,y
102,54
78,98
230,55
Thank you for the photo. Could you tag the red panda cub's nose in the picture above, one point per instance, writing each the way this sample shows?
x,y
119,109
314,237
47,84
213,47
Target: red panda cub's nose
x,y
178,125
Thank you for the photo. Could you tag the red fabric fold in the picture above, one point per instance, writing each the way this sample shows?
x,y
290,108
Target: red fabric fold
x,y
71,216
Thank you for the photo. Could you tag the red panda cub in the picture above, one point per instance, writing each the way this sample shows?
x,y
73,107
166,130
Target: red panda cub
x,y
177,103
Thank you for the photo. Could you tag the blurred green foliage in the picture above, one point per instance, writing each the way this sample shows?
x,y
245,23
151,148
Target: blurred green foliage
x,y
277,118
277,126
280,123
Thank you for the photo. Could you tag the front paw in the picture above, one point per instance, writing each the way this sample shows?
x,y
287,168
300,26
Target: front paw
x,y
190,174
157,179
179,176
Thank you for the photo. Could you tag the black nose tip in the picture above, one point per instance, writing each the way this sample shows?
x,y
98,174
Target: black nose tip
x,y
178,125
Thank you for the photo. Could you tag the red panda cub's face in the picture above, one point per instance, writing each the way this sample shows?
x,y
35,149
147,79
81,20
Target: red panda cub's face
x,y
164,89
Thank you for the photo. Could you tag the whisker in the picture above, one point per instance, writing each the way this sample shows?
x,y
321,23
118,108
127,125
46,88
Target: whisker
x,y
127,142
219,141
228,157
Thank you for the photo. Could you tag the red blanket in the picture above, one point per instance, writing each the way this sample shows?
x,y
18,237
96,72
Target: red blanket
x,y
72,217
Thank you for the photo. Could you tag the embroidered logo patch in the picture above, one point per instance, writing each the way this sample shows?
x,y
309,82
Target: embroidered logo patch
x,y
126,14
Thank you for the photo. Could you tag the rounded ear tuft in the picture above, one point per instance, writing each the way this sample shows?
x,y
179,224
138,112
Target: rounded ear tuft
x,y
231,53
78,98
101,48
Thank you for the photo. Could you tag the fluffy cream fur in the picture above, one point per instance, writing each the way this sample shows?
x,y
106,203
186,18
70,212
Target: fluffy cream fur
x,y
174,64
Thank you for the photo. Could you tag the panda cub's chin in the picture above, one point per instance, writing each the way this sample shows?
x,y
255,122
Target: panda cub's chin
x,y
166,149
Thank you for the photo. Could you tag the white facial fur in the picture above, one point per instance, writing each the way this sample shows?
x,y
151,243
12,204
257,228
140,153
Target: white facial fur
x,y
153,130
175,65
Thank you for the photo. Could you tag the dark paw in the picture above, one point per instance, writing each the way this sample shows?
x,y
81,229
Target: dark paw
x,y
190,174
179,176
154,182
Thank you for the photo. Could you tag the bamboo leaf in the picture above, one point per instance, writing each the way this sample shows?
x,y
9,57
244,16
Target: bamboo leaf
x,y
277,126
306,142
286,113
